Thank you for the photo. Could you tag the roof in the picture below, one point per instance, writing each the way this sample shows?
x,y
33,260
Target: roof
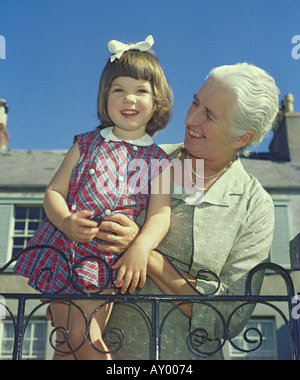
x,y
29,168
274,174
280,167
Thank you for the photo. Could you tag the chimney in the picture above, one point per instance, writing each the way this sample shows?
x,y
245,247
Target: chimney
x,y
284,145
4,136
288,103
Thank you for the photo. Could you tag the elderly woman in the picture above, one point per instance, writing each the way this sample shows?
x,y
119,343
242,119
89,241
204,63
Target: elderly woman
x,y
229,232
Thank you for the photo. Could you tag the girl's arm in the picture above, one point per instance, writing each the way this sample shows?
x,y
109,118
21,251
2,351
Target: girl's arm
x,y
75,226
133,264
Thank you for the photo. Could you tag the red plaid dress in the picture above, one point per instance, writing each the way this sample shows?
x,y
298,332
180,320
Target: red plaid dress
x,y
110,176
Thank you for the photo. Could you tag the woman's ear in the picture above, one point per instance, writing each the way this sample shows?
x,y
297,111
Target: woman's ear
x,y
243,140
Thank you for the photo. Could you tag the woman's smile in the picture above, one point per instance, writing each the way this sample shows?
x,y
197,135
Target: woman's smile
x,y
195,134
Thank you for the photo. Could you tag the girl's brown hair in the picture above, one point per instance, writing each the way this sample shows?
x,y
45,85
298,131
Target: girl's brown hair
x,y
138,65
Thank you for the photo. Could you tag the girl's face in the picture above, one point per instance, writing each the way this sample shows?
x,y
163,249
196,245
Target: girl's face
x,y
130,106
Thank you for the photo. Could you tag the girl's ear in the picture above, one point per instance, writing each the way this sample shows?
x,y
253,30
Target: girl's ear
x,y
243,140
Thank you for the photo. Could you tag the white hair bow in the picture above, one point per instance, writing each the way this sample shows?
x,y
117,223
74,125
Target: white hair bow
x,y
118,48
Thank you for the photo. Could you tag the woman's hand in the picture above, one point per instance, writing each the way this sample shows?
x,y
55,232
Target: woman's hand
x,y
77,227
118,230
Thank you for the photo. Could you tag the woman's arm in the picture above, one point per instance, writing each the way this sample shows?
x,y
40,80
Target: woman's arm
x,y
169,281
76,226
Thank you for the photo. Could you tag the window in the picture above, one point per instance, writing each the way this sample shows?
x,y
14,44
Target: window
x,y
268,348
26,221
6,218
280,253
34,344
18,222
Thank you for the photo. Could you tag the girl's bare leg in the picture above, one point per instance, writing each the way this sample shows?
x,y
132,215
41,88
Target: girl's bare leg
x,y
60,316
72,329
78,328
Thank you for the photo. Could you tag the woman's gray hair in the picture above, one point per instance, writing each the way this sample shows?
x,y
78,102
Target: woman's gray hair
x,y
257,99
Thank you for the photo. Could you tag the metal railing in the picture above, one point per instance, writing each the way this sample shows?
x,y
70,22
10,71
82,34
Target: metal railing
x,y
291,318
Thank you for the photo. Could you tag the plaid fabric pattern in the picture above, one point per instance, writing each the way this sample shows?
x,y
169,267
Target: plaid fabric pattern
x,y
110,175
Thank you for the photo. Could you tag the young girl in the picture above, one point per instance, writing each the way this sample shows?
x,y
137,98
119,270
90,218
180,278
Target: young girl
x,y
114,168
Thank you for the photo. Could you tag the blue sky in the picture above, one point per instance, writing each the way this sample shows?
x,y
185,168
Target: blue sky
x,y
56,50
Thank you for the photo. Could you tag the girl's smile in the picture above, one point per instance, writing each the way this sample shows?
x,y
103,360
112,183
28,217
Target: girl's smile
x,y
130,106
129,113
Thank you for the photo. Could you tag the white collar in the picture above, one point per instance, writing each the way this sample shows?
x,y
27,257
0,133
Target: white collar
x,y
146,140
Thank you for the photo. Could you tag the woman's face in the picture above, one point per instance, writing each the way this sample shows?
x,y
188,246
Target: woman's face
x,y
208,131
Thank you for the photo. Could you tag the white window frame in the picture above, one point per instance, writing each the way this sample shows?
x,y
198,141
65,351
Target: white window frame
x,y
256,354
31,330
284,261
26,234
15,202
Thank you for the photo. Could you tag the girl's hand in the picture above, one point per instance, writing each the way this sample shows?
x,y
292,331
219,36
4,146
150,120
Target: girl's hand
x,y
77,227
132,269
